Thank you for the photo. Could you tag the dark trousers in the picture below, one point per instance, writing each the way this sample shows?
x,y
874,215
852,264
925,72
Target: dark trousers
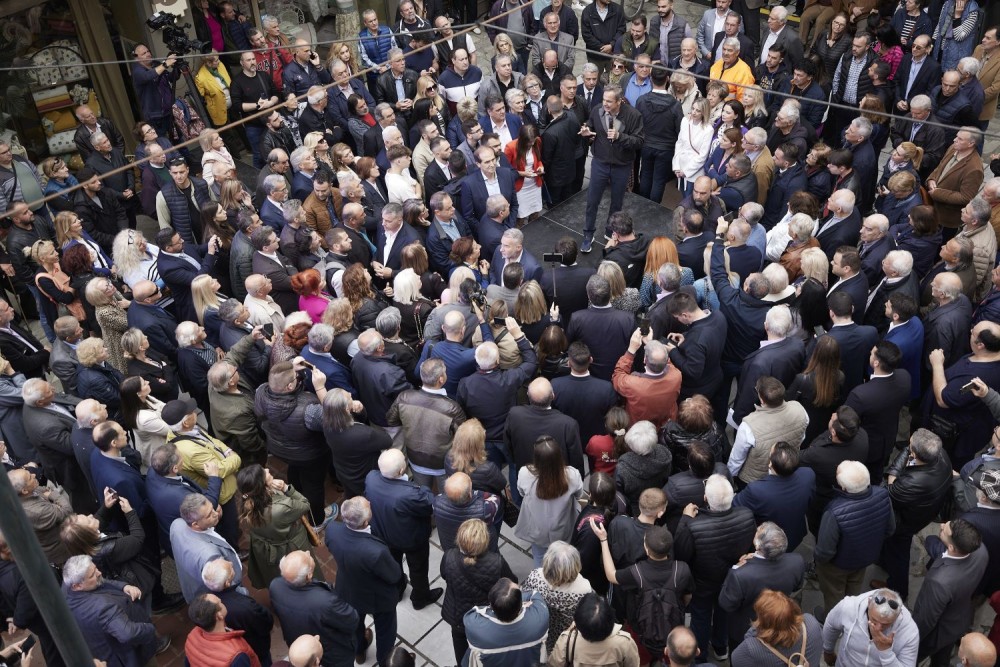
x,y
385,634
253,138
581,172
418,562
940,658
560,193
229,524
309,479
751,20
655,171
708,621
602,175
895,560
459,642
498,453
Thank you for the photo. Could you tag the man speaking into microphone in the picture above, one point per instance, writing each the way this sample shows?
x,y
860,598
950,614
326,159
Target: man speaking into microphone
x,y
616,134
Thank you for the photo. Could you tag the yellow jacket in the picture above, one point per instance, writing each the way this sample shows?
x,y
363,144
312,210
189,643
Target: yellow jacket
x,y
736,76
211,92
195,453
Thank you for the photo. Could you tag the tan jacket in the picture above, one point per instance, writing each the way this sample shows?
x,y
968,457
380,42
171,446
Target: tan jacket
x,y
317,216
46,516
984,255
618,650
763,169
957,188
989,76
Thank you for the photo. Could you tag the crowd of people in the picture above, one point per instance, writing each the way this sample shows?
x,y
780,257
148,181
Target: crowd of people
x,y
810,346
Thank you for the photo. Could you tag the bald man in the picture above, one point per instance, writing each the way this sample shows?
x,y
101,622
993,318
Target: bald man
x,y
459,359
682,647
149,317
304,71
46,508
527,423
306,651
378,379
459,503
307,607
401,517
263,308
976,650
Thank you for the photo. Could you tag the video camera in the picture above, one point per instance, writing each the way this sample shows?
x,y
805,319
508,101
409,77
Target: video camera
x,y
174,36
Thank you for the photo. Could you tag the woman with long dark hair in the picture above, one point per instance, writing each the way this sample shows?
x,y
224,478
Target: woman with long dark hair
x,y
820,387
357,287
605,450
602,507
525,156
140,413
355,446
549,489
215,222
271,512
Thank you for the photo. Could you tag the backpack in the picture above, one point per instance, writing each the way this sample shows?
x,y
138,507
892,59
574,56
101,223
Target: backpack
x,y
657,612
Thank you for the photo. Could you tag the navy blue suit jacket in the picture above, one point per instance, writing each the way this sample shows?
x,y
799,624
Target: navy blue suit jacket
x,y
372,575
474,194
401,511
272,216
157,324
513,124
857,288
488,234
844,232
532,269
595,98
178,274
782,360
909,338
405,237
302,186
785,184
165,496
121,477
856,342
439,244
782,500
338,103
337,374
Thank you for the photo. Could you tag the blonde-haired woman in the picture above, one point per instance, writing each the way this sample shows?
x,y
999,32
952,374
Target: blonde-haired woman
x,y
102,295
693,142
531,313
213,83
135,258
810,289
97,378
149,364
468,455
344,52
340,316
53,282
504,45
316,142
754,108
623,298
70,232
434,108
414,307
470,569
215,151
205,293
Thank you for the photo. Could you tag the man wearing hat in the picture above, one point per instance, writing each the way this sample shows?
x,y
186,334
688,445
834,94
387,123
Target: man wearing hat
x,y
966,489
984,515
198,448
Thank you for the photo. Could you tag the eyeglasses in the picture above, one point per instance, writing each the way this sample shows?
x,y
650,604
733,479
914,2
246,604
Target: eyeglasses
x,y
881,599
618,66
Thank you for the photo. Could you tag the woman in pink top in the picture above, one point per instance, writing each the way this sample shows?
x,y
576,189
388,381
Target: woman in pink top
x,y
309,285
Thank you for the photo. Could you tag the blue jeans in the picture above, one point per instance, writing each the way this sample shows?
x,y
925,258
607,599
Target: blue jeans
x,y
537,553
708,621
603,174
253,136
656,170
40,303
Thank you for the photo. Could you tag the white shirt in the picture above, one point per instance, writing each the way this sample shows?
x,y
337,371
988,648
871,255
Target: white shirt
x,y
390,237
492,187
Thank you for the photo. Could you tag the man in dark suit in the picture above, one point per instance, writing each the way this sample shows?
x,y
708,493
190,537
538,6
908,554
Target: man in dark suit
x,y
605,330
878,402
692,241
746,45
384,117
561,147
550,70
874,246
785,36
910,83
437,174
917,127
782,357
565,285
857,139
582,396
166,487
492,225
344,86
401,517
789,178
769,567
844,440
527,423
855,340
392,237
90,123
496,117
179,264
985,484
19,346
48,420
270,263
308,607
590,89
842,226
446,227
475,192
397,86
150,318
511,249
947,325
369,578
944,604
899,277
846,269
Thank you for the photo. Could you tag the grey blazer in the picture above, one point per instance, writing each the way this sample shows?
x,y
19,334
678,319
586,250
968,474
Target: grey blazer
x,y
65,365
192,550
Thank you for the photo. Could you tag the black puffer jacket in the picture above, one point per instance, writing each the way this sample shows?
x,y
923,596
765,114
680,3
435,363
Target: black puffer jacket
x,y
678,441
683,488
634,474
284,423
918,492
712,542
469,585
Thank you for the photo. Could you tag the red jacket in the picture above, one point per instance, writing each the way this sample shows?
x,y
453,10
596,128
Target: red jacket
x,y
217,649
510,150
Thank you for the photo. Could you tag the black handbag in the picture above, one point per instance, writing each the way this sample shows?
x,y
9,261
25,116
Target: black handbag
x,y
511,512
945,429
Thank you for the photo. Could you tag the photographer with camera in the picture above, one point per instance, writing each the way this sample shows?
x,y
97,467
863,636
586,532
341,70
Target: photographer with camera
x,y
154,88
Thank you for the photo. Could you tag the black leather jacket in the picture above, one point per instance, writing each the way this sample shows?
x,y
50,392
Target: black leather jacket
x,y
918,491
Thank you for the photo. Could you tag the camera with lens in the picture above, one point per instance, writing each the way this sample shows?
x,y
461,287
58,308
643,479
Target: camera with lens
x,y
479,298
174,36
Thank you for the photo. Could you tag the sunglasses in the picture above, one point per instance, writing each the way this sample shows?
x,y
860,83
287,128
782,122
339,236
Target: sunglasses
x,y
881,599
